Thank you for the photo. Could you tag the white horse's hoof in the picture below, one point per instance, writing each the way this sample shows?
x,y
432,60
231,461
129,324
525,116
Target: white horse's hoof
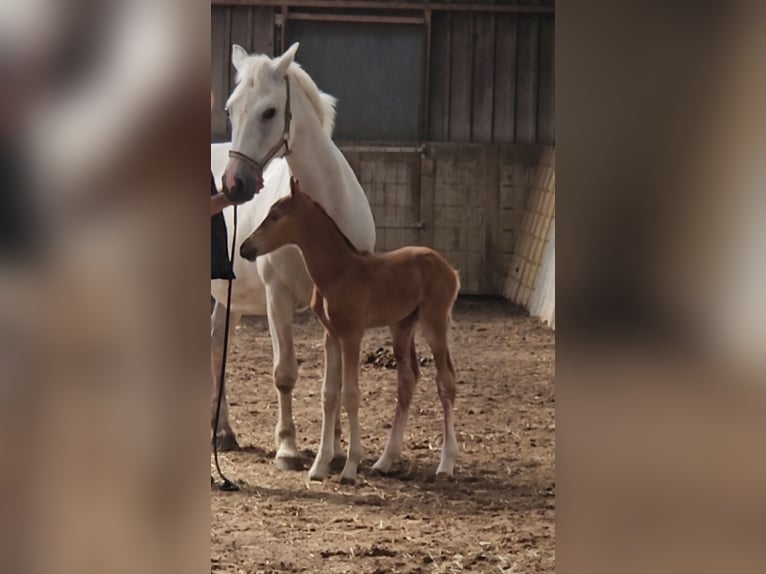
x,y
288,458
226,442
289,463
338,463
383,466
444,471
348,476
319,472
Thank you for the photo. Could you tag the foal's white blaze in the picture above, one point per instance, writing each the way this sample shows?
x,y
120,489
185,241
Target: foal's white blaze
x,y
278,283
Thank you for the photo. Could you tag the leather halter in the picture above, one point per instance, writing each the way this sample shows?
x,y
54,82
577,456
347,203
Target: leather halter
x,y
285,141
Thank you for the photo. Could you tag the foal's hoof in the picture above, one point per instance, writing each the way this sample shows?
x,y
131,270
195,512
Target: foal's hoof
x,y
226,443
347,480
337,464
289,463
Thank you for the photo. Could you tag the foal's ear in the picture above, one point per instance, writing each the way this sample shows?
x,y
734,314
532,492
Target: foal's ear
x,y
281,64
293,186
238,55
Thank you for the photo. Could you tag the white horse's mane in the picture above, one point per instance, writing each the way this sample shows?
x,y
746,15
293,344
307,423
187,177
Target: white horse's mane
x,y
323,104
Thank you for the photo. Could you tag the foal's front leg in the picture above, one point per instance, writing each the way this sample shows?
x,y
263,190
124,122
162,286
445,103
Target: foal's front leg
x,y
330,408
350,398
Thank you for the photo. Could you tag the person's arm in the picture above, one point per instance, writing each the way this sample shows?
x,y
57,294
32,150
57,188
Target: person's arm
x,y
218,202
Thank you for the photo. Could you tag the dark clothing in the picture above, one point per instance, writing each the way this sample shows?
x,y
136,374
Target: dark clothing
x,y
19,234
220,266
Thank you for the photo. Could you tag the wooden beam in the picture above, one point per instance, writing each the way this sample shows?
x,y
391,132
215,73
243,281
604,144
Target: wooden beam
x,y
355,18
357,5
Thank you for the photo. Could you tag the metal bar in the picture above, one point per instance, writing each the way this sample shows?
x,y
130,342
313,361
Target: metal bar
x,y
357,5
417,225
352,148
356,18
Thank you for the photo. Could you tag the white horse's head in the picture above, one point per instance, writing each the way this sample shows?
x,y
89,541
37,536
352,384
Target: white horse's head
x,y
261,109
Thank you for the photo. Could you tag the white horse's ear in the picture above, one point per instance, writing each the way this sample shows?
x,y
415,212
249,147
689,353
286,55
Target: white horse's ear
x,y
281,64
238,55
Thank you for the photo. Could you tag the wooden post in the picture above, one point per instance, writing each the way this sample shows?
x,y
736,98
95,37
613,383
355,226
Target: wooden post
x,y
427,198
492,258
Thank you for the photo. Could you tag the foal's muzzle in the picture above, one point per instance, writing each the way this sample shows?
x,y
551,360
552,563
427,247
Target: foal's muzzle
x,y
248,250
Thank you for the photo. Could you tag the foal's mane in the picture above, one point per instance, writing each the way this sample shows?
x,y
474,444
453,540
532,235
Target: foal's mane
x,y
323,104
323,213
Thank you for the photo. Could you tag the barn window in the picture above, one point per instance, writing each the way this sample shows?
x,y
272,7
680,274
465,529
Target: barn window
x,y
374,69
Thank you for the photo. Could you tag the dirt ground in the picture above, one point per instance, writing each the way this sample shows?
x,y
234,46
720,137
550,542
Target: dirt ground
x,y
495,515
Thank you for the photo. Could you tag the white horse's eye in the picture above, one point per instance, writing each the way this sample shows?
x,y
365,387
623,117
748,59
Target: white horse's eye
x,y
269,114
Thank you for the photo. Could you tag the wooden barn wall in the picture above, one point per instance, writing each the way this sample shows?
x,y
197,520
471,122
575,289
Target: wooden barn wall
x,y
471,187
492,78
468,201
252,27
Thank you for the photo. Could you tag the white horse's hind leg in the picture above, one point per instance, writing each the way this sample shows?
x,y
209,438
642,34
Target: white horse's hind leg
x,y
225,437
281,310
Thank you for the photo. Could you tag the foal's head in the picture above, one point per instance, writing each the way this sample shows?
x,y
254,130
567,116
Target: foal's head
x,y
281,226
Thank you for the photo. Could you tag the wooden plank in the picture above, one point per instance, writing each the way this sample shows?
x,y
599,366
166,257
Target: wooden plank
x,y
461,75
426,198
219,82
242,27
263,31
356,18
231,73
483,78
546,117
504,125
526,87
425,99
382,5
438,109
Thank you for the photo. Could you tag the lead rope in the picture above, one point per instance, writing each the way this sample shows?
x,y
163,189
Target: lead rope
x,y
227,484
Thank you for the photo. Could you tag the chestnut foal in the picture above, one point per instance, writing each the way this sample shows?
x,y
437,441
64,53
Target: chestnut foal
x,y
354,291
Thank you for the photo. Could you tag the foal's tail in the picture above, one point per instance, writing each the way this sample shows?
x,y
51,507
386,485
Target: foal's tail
x,y
454,295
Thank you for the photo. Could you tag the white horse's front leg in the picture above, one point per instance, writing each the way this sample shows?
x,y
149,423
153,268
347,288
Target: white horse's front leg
x,y
281,311
330,408
224,435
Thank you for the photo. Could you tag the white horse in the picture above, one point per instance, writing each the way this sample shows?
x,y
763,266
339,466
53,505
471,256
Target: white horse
x,y
274,108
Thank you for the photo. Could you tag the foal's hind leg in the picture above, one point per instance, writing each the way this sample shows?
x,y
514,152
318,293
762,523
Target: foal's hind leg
x,y
224,435
281,312
435,332
407,373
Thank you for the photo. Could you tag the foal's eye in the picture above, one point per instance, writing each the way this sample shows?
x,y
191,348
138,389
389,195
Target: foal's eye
x,y
273,216
268,114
